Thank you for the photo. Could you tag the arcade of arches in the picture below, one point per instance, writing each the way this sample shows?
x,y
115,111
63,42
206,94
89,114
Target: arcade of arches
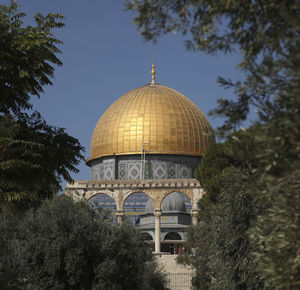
x,y
119,191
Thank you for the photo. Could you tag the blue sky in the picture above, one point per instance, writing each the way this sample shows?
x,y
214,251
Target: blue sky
x,y
104,57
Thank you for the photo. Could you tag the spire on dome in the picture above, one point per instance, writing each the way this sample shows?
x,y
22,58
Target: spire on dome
x,y
153,73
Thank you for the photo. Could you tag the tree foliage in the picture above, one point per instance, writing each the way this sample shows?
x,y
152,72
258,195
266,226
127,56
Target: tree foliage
x,y
27,55
222,252
238,152
66,245
34,156
277,232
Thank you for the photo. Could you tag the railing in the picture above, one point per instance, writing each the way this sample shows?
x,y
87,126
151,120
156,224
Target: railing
x,y
179,281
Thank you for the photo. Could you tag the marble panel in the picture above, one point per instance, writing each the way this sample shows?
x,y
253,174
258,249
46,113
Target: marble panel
x,y
148,170
172,170
101,172
109,172
184,172
134,171
159,170
123,171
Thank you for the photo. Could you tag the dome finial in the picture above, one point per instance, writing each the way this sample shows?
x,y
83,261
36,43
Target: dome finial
x,y
153,73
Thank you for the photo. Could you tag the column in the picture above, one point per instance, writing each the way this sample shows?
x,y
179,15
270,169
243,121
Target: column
x,y
194,214
157,215
120,216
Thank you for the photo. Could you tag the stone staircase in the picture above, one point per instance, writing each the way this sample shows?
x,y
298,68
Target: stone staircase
x,y
179,276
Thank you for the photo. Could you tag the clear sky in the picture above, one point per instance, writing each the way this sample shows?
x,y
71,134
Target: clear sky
x,y
104,57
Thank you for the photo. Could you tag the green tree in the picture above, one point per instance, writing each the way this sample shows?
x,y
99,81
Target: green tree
x,y
27,57
34,156
8,265
66,245
267,35
222,253
277,232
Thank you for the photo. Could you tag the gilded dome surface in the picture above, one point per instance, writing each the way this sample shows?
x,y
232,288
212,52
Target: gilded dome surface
x,y
156,118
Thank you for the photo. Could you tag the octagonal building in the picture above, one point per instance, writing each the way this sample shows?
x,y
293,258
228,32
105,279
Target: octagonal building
x,y
149,141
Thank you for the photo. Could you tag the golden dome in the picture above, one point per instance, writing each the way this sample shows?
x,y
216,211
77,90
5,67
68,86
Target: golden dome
x,y
153,117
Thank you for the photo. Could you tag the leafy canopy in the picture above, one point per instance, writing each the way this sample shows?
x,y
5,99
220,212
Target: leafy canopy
x,y
34,156
27,57
67,245
221,250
